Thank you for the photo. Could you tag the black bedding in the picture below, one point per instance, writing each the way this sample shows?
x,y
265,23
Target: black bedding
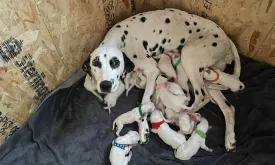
x,y
72,128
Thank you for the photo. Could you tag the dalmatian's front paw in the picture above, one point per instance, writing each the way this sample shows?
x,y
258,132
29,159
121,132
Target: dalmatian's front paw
x,y
230,141
110,101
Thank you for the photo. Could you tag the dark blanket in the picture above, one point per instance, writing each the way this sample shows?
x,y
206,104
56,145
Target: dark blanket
x,y
71,128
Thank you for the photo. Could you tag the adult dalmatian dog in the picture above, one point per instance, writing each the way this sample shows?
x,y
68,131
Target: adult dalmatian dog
x,y
201,43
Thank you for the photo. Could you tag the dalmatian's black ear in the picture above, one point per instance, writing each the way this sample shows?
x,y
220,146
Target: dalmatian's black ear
x,y
86,67
128,64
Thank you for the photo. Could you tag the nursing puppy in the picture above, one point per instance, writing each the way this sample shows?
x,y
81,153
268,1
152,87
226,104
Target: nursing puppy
x,y
169,64
218,77
170,94
121,147
186,121
194,143
135,115
160,127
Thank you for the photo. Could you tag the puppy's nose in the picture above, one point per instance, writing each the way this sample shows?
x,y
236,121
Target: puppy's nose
x,y
105,86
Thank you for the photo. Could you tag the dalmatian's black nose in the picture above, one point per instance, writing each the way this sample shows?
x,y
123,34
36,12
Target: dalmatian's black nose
x,y
106,86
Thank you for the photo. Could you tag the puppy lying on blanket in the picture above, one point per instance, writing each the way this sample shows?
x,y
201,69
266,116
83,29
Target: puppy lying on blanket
x,y
121,147
194,143
138,114
160,127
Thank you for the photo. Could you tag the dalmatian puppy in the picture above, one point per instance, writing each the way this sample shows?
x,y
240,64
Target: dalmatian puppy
x,y
121,147
135,115
186,121
135,78
227,80
169,64
170,94
200,42
169,136
194,143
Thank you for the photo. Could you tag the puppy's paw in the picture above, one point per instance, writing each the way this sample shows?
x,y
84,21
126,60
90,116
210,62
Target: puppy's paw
x,y
110,101
230,141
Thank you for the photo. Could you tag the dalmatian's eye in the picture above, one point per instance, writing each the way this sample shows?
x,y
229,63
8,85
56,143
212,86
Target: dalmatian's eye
x,y
96,62
114,62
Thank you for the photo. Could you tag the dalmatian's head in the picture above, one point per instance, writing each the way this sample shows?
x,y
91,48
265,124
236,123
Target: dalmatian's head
x,y
105,66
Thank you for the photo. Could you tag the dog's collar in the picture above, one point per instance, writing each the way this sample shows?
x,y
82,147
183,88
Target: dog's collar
x,y
175,65
200,133
167,54
157,125
121,146
140,111
217,78
165,84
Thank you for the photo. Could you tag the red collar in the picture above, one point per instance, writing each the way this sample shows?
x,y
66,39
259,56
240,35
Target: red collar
x,y
217,74
157,125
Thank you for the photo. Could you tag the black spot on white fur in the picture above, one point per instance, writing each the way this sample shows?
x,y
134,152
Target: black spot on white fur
x,y
143,19
163,41
154,54
179,48
118,26
160,31
197,92
201,69
171,10
185,92
134,56
154,31
195,23
154,48
134,17
190,31
198,30
216,35
200,37
145,44
161,49
169,40
214,44
125,32
114,62
167,20
147,56
202,91
187,23
105,55
182,40
228,103
96,62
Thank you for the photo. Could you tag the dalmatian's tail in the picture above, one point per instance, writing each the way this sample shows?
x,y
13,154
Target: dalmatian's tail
x,y
237,67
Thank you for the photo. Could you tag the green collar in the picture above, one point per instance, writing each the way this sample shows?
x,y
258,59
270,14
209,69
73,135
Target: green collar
x,y
200,133
140,111
177,63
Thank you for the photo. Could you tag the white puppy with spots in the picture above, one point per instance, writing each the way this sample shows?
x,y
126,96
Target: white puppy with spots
x,y
194,143
201,42
120,153
160,127
135,115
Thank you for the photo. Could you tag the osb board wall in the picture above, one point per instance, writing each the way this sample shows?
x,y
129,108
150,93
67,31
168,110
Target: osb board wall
x,y
42,42
250,23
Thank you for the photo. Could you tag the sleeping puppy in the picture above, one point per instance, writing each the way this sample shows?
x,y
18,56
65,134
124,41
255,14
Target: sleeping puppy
x,y
121,147
135,115
218,77
194,143
135,78
160,127
170,94
186,121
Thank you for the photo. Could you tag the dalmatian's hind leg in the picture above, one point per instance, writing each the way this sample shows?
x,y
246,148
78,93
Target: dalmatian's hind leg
x,y
198,54
229,113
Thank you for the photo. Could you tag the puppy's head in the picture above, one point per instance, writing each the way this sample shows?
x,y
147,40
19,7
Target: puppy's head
x,y
105,66
132,137
203,125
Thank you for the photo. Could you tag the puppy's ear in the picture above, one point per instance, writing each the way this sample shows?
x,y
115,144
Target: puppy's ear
x,y
86,67
128,64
